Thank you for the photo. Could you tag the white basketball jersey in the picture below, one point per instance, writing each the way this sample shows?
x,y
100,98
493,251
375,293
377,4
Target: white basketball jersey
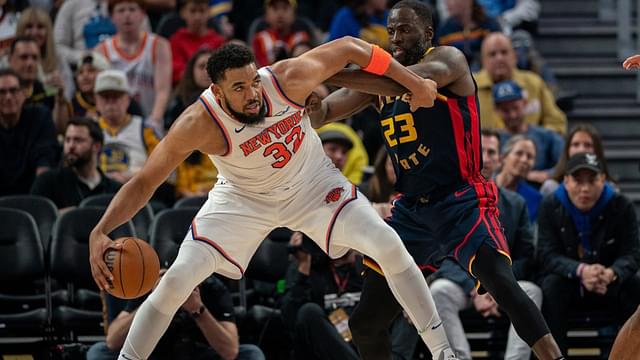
x,y
139,68
280,152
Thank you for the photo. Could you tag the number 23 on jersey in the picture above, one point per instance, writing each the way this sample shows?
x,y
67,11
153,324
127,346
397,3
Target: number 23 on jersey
x,y
399,129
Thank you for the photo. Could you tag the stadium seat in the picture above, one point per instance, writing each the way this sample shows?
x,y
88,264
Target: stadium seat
x,y
167,231
191,201
23,304
69,258
43,210
141,220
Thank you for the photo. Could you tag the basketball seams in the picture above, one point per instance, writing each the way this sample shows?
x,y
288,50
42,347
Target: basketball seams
x,y
143,267
124,292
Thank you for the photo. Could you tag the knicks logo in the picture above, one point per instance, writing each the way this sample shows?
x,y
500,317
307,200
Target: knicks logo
x,y
334,195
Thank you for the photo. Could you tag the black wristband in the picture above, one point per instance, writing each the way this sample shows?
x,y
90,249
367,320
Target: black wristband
x,y
196,314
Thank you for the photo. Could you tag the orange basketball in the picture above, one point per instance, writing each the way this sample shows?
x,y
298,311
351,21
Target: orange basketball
x,y
135,268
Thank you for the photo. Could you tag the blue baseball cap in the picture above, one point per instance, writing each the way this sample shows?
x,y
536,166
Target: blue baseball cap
x,y
506,91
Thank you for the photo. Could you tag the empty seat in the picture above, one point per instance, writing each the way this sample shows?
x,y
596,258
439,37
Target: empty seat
x,y
141,220
167,231
23,305
191,201
69,258
42,209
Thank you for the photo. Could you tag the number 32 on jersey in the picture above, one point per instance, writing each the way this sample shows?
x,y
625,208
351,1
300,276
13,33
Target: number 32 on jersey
x,y
401,124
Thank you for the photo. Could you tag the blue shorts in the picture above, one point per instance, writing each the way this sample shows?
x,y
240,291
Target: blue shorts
x,y
453,225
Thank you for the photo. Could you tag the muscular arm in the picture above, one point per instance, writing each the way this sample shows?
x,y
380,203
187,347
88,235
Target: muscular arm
x,y
445,65
192,131
339,105
299,76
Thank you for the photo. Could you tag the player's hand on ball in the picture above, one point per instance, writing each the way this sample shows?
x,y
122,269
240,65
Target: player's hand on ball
x,y
632,62
424,96
99,243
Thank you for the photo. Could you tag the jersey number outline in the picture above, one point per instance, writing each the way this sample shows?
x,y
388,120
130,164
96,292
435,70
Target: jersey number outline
x,y
406,126
279,150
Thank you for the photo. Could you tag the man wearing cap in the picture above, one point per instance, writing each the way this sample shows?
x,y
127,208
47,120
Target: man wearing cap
x,y
89,66
589,248
499,64
128,140
510,104
356,158
280,37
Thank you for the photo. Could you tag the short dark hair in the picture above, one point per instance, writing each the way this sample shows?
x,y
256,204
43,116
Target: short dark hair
x,y
422,10
112,4
491,132
229,56
10,72
94,129
20,39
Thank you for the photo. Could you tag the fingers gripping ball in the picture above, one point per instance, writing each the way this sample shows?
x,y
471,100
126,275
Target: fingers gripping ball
x,y
135,268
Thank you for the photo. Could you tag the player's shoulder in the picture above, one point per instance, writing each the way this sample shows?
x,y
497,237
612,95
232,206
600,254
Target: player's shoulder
x,y
449,54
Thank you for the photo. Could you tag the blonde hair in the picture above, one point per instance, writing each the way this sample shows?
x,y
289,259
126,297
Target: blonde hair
x,y
47,51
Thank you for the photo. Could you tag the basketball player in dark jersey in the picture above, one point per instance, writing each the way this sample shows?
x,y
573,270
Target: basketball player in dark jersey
x,y
447,208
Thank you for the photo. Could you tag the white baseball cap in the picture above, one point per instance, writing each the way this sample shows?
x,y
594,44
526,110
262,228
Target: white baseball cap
x,y
111,80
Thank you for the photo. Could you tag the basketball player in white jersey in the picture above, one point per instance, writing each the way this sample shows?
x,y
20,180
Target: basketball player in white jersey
x,y
143,56
272,172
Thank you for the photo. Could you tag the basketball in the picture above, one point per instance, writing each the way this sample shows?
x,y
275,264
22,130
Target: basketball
x,y
135,268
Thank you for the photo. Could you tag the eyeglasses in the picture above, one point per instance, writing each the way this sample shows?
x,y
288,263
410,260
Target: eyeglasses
x,y
11,90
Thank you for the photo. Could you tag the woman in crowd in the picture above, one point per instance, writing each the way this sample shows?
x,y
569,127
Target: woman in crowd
x,y
581,138
518,156
379,187
54,73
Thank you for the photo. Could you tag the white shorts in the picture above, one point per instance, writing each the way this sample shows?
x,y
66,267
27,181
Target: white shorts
x,y
235,222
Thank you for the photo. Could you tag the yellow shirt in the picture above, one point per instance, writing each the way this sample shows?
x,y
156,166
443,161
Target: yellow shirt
x,y
541,105
196,178
357,158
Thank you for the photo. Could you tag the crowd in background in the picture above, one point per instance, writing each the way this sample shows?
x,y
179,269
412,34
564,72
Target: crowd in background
x,y
89,87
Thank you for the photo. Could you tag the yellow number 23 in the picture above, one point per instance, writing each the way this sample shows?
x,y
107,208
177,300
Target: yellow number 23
x,y
407,131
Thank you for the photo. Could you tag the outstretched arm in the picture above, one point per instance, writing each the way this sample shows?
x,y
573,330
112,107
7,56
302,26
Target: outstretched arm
x,y
339,105
445,65
168,154
299,76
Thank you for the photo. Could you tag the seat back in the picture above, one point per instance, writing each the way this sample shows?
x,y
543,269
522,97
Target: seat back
x,y
69,255
42,209
21,251
167,231
270,262
141,220
191,201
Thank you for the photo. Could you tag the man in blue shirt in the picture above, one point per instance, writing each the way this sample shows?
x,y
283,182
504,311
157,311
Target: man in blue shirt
x,y
510,103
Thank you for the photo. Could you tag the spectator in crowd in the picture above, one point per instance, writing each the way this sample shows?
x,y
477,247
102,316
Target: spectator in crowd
x,y
345,149
453,290
143,56
81,25
518,156
510,104
8,23
514,14
589,247
220,10
195,35
321,12
53,73
320,295
364,19
79,177
528,58
466,27
379,187
192,83
27,137
499,64
24,58
128,140
83,101
581,138
277,41
203,328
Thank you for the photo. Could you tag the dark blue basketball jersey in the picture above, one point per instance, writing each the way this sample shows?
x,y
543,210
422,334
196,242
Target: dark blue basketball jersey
x,y
433,149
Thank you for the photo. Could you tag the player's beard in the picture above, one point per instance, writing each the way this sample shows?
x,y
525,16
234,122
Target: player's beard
x,y
248,119
413,54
